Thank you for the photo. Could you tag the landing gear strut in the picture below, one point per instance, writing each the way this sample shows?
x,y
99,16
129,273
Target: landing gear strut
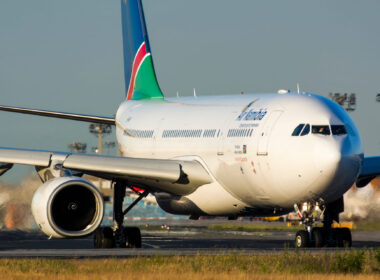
x,y
313,212
118,235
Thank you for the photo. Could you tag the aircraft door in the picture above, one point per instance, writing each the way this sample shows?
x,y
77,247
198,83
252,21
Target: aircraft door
x,y
156,136
222,134
264,135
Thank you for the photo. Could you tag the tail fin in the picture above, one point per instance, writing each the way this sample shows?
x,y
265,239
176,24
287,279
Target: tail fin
x,y
140,78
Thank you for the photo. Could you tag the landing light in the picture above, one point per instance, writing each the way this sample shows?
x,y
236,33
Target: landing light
x,y
283,91
304,207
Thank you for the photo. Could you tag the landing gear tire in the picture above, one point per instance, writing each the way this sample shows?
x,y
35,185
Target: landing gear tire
x,y
302,239
347,237
103,238
132,237
338,238
325,236
119,236
343,237
318,237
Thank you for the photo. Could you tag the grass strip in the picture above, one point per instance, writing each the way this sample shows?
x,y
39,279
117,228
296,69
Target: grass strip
x,y
235,266
367,225
195,276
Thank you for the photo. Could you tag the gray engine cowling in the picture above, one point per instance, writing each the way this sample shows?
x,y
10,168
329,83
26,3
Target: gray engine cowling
x,y
67,207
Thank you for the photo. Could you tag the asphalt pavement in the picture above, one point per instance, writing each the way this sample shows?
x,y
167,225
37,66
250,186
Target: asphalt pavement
x,y
188,240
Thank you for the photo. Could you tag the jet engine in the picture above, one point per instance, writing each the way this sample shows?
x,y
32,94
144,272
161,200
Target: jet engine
x,y
67,207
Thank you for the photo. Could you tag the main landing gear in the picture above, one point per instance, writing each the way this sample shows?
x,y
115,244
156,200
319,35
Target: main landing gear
x,y
119,236
313,212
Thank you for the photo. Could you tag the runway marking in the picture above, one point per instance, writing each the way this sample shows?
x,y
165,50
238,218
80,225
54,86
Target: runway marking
x,y
150,245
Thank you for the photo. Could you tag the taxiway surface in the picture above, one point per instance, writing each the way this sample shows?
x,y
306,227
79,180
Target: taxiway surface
x,y
187,241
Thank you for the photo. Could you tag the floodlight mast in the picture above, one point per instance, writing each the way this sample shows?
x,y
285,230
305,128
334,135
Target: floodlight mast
x,y
109,145
347,101
77,147
98,129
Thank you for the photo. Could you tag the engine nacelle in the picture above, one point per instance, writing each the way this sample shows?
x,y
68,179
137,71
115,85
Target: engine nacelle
x,y
67,207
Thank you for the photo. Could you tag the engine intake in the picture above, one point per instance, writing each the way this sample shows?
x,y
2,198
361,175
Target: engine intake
x,y
67,207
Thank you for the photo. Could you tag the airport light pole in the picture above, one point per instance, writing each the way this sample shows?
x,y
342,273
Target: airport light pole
x,y
109,145
347,101
99,129
77,147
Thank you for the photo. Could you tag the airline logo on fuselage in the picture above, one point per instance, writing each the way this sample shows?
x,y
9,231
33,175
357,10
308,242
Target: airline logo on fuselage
x,y
250,114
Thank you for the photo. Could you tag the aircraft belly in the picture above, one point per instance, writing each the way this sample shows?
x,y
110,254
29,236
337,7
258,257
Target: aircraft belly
x,y
213,199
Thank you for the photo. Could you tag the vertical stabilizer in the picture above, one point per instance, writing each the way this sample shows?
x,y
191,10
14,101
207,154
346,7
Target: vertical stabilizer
x,y
140,78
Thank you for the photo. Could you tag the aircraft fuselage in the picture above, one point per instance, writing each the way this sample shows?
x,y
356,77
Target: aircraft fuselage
x,y
246,143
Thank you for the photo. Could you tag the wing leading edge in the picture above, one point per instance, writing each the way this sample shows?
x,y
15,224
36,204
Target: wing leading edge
x,y
173,176
370,170
60,115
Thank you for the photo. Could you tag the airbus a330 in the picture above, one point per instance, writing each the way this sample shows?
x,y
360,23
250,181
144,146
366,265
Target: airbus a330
x,y
236,155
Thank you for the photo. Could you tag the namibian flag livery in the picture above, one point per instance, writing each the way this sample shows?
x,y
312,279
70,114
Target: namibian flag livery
x,y
140,78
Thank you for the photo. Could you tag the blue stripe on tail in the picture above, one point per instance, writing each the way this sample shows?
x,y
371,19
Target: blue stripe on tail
x,y
138,84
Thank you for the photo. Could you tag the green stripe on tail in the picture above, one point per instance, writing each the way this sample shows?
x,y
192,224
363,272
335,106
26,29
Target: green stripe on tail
x,y
146,85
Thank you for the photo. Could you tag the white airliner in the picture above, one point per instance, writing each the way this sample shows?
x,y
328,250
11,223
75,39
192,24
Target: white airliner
x,y
237,155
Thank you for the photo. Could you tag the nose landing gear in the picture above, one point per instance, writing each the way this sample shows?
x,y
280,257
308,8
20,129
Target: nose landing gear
x,y
313,212
118,235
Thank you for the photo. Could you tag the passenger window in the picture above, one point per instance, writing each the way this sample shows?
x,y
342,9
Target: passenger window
x,y
306,130
298,129
338,129
320,129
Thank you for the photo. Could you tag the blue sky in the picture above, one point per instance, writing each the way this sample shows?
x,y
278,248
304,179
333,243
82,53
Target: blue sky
x,y
67,56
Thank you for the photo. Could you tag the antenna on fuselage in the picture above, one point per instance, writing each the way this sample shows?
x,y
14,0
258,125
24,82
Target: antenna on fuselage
x,y
195,93
298,88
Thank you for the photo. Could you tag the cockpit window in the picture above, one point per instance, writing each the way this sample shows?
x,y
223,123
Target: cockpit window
x,y
320,129
306,130
298,129
338,129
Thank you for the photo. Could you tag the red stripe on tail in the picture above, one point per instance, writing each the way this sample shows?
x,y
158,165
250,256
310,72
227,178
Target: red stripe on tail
x,y
141,53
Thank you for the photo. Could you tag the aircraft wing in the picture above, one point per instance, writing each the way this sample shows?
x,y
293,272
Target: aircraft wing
x,y
370,170
173,176
60,115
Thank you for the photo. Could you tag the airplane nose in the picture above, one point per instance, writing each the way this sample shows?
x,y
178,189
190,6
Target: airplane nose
x,y
338,165
327,155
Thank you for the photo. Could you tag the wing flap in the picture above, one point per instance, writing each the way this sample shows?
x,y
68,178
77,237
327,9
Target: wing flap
x,y
151,169
177,177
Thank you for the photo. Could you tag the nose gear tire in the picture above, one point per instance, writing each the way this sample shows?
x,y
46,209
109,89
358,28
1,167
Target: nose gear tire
x,y
343,237
302,239
318,237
